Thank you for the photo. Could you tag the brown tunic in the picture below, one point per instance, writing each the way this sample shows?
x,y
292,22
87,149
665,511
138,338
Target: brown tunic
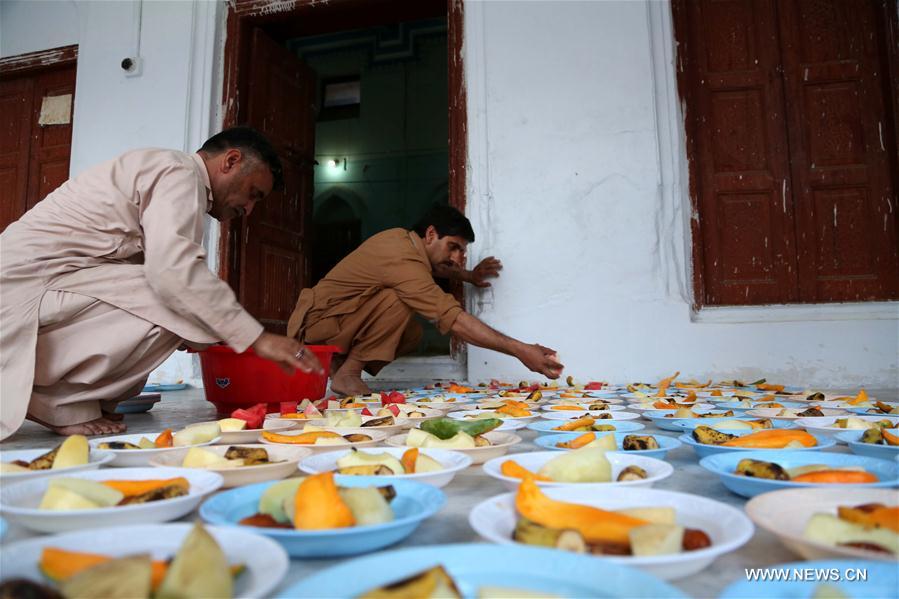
x,y
389,276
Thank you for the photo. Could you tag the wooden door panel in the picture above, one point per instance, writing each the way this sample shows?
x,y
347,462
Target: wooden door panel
x,y
737,123
841,165
15,139
51,145
274,254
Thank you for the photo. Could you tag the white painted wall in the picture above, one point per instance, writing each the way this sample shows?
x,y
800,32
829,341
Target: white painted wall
x,y
32,25
577,184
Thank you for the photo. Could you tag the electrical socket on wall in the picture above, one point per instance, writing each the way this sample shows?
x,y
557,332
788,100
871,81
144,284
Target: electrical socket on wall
x,y
132,65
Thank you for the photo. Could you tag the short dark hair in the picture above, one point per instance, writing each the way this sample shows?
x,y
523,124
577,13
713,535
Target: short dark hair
x,y
447,221
250,141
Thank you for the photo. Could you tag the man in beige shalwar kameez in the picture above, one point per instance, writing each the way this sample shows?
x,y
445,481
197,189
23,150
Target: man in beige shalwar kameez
x,y
102,280
366,303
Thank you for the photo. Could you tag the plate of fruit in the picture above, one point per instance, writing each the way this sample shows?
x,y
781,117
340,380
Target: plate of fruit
x,y
327,516
74,454
754,472
593,467
664,533
431,466
136,449
144,561
705,440
238,464
654,446
110,497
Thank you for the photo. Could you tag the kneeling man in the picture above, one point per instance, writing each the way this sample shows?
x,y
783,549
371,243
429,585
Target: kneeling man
x,y
106,277
365,304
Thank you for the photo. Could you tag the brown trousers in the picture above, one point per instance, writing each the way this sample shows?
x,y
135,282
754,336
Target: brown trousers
x,y
379,331
91,355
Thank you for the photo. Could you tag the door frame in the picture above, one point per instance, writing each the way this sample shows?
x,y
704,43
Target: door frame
x,y
305,16
36,61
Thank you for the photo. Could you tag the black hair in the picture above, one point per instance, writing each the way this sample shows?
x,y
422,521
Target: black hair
x,y
250,141
447,221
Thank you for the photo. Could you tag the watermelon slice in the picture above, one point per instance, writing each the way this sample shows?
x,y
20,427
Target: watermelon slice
x,y
254,416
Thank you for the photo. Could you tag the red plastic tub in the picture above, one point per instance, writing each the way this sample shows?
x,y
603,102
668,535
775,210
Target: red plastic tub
x,y
232,380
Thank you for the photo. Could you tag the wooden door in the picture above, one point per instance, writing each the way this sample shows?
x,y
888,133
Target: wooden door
x,y
741,149
34,156
274,251
791,140
841,146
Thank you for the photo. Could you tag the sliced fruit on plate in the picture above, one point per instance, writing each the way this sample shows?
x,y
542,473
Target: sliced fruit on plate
x,y
196,434
65,494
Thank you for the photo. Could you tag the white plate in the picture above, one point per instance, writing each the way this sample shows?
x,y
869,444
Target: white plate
x,y
266,562
287,458
785,514
96,459
655,469
824,424
429,413
126,458
376,437
453,461
728,528
251,435
575,415
702,407
500,444
521,421
19,502
554,408
772,413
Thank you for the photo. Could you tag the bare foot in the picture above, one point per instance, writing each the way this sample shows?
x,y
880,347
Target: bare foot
x,y
100,426
349,385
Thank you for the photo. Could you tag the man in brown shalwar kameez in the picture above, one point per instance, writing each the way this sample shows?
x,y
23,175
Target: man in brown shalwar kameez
x,y
366,303
102,280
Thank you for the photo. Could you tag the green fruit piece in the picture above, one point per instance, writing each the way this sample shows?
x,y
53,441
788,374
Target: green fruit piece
x,y
272,500
367,504
200,570
125,578
585,465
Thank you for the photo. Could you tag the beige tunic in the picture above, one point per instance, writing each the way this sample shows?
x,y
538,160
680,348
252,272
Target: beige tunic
x,y
129,233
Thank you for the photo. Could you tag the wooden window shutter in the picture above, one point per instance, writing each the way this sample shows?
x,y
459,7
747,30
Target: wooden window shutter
x,y
789,124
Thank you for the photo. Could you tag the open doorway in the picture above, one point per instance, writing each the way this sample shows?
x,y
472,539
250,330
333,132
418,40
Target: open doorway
x,y
381,142
365,103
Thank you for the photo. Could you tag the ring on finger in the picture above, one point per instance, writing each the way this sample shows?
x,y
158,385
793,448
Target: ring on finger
x,y
299,355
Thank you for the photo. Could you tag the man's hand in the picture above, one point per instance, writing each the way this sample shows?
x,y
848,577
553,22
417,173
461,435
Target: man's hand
x,y
540,359
288,353
488,268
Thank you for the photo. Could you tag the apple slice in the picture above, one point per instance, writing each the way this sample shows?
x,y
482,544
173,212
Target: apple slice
x,y
197,434
232,424
74,451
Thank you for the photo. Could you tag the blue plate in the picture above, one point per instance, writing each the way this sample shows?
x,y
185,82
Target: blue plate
x,y
472,566
3,527
882,580
159,388
668,424
688,424
703,450
666,444
865,412
414,502
724,465
853,440
138,404
621,426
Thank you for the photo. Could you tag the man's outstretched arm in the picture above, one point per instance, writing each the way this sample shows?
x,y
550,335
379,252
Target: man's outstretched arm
x,y
536,357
